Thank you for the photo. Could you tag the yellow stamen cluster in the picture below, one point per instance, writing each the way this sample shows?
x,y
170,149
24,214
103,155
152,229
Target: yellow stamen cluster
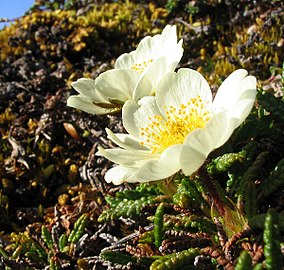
x,y
140,67
161,133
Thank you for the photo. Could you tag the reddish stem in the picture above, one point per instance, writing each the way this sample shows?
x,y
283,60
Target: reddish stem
x,y
207,183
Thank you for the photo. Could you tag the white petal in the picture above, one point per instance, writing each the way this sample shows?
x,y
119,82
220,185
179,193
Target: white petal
x,y
178,88
119,174
86,104
178,51
235,118
124,157
135,115
141,54
247,89
191,159
168,45
86,87
231,89
144,87
151,48
153,74
157,169
201,142
117,84
243,107
125,141
232,124
239,105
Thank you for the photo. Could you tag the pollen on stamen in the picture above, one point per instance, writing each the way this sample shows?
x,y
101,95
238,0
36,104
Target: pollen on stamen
x,y
161,132
140,67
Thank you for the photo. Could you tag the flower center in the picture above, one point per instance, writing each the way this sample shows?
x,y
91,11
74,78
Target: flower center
x,y
161,133
140,67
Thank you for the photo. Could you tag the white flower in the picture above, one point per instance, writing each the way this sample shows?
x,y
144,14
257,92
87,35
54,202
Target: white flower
x,y
179,127
136,74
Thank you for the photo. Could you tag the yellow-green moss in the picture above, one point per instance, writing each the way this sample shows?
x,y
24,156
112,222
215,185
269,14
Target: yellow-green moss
x,y
254,48
112,17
